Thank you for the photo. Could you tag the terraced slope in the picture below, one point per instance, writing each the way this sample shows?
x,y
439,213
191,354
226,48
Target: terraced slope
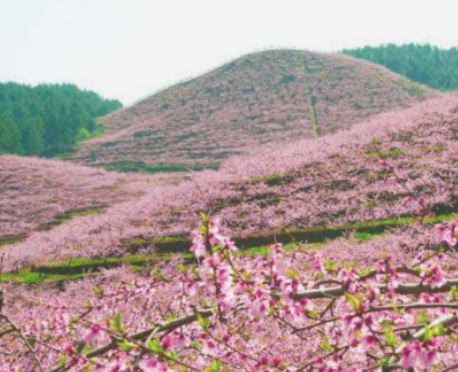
x,y
267,97
333,184
37,193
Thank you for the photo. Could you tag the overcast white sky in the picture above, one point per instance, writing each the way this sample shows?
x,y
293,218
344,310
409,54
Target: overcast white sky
x,y
128,49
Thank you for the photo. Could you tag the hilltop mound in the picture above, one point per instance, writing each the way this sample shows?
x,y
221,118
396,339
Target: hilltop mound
x,y
272,96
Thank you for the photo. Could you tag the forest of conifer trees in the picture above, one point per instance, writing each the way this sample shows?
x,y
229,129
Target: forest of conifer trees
x,y
48,119
423,63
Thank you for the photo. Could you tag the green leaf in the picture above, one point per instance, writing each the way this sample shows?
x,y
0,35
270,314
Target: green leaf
x,y
428,334
32,342
155,346
330,266
216,365
63,359
98,291
325,345
116,324
454,293
172,355
181,268
158,274
385,364
424,318
204,323
125,345
292,273
169,317
216,248
390,337
204,218
353,301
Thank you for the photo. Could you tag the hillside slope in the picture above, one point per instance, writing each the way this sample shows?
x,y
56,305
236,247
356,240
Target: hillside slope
x,y
272,96
38,193
310,184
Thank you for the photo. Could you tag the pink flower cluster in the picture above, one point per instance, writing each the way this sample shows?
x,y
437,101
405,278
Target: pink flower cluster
x,y
448,233
291,310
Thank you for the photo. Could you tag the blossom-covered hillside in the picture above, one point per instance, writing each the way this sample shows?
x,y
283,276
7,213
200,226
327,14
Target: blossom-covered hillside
x,y
37,193
333,181
377,302
272,96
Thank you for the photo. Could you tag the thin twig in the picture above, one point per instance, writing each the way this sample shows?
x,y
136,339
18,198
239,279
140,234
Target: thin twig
x,y
24,339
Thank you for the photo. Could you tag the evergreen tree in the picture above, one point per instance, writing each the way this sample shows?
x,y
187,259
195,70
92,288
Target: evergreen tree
x,y
9,136
48,119
426,64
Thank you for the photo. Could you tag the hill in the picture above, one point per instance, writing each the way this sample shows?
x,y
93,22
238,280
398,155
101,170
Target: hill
x,y
425,64
267,97
39,194
309,189
363,261
48,118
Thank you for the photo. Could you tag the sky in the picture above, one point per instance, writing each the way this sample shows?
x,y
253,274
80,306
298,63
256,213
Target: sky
x,y
130,49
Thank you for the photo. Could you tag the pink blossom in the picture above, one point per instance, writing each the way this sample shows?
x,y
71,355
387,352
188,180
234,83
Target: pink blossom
x,y
420,355
432,275
210,348
198,246
153,365
96,334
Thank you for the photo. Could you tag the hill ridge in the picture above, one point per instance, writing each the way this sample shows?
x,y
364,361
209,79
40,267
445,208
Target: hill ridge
x,y
270,96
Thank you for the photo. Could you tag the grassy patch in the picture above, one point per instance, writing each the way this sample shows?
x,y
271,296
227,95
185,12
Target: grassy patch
x,y
58,220
68,215
319,234
11,239
311,235
436,148
168,246
276,179
144,133
165,244
391,153
76,268
69,155
109,143
28,277
140,167
413,89
264,199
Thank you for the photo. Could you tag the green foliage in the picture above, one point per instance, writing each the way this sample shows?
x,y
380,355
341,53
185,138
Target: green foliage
x,y
426,64
9,136
48,119
391,153
83,135
276,179
116,323
391,339
326,345
144,133
155,346
216,365
130,166
410,87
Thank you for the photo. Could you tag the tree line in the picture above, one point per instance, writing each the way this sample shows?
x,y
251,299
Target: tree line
x,y
49,118
423,63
